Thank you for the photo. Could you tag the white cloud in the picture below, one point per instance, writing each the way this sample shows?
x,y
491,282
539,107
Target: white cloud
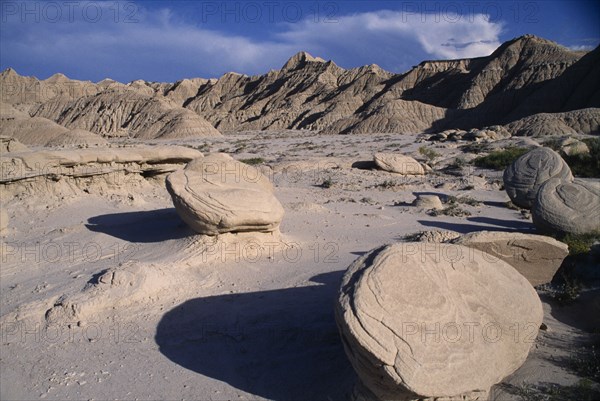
x,y
161,46
581,47
438,35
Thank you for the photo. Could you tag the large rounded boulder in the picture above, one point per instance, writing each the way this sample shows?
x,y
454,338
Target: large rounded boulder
x,y
524,177
400,164
567,207
217,194
423,320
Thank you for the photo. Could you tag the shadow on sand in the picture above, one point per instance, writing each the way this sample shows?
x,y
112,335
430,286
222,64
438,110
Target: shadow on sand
x,y
145,226
365,165
280,344
487,224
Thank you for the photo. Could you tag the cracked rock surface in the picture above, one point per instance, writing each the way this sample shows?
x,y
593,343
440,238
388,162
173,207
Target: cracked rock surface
x,y
423,320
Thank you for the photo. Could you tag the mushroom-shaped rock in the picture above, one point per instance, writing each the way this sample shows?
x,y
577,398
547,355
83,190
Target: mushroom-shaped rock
x,y
537,257
217,194
524,177
425,320
400,164
567,206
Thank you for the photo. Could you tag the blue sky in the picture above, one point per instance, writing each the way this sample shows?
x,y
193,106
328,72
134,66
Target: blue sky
x,y
168,41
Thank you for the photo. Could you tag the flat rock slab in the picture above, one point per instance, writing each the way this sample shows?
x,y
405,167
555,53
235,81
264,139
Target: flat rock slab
x,y
217,194
423,320
524,177
400,164
568,206
82,162
537,257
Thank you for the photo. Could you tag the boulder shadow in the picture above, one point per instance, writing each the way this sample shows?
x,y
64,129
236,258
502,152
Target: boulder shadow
x,y
365,165
458,227
581,313
144,226
488,224
279,344
501,205
515,225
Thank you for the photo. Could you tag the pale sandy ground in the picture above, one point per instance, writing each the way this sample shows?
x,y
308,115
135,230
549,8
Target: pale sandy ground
x,y
198,321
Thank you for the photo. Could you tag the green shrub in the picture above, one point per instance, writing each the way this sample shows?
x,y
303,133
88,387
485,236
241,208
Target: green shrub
x,y
553,143
253,161
452,210
584,390
500,159
567,292
458,162
466,200
386,184
429,153
512,206
586,165
579,243
327,183
205,147
475,147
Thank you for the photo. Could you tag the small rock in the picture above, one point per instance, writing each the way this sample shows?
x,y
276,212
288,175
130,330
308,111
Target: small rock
x,y
428,202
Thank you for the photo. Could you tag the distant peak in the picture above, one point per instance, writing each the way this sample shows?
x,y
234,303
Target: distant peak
x,y
529,38
232,74
9,72
300,59
58,77
106,81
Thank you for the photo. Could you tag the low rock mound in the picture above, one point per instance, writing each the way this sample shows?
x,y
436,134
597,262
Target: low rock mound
x,y
524,177
567,206
400,164
572,146
77,137
8,112
11,145
32,131
583,121
217,194
537,257
425,320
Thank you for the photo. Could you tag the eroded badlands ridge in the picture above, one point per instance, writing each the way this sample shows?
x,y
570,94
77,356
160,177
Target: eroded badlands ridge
x,y
528,84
